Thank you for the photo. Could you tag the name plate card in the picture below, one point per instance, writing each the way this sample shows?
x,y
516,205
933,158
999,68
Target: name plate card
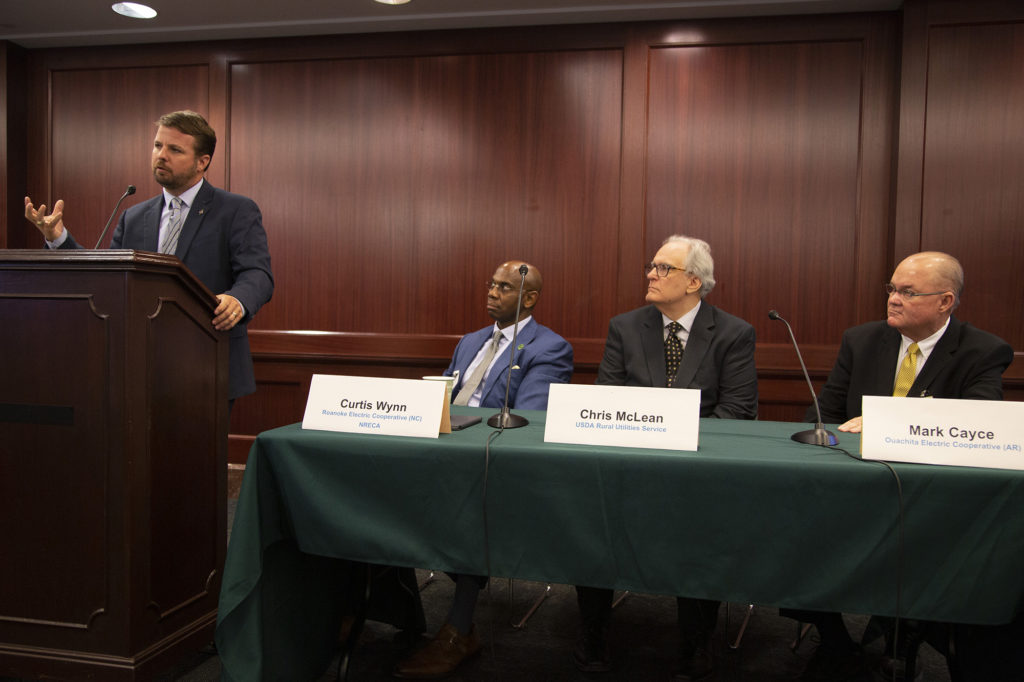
x,y
393,407
625,416
975,433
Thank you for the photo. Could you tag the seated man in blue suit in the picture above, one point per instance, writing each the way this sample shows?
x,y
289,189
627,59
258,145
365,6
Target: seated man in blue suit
x,y
218,235
541,358
679,341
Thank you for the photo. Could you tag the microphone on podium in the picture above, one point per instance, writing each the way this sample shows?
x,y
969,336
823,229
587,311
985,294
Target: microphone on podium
x,y
127,192
505,419
818,435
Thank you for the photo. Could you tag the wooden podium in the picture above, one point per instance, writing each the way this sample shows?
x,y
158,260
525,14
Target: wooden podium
x,y
113,444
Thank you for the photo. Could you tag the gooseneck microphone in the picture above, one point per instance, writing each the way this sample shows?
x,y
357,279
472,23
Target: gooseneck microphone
x,y
127,192
505,419
818,435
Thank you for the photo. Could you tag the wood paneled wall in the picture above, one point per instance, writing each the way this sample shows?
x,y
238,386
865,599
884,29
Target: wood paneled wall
x,y
418,175
12,138
961,174
395,171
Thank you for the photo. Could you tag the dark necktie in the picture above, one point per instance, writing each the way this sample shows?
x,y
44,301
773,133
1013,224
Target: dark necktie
x,y
673,351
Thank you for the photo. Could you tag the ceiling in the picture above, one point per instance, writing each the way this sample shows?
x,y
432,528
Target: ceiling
x,y
65,23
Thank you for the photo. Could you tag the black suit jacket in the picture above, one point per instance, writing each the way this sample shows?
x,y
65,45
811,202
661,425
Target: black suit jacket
x,y
718,359
965,363
223,243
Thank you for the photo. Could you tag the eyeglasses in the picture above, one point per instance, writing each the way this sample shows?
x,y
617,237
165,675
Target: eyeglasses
x,y
663,269
503,287
891,289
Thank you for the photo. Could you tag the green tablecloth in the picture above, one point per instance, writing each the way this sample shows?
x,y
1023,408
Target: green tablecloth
x,y
750,517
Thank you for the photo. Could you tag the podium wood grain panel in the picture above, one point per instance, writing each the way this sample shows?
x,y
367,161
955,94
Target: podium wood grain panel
x,y
184,443
54,521
113,410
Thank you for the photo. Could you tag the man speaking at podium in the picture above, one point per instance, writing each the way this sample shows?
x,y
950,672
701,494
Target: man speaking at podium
x,y
218,235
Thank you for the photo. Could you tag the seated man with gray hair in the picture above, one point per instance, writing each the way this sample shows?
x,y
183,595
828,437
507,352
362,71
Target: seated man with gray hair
x,y
678,341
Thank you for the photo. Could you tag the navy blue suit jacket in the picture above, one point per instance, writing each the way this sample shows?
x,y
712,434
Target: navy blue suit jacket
x,y
543,358
718,359
966,363
224,245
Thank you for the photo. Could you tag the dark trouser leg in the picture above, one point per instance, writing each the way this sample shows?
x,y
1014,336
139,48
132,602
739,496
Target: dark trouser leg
x,y
987,653
697,620
591,653
831,627
595,606
467,589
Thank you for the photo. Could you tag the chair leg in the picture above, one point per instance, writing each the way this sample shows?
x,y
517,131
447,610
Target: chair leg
x,y
540,600
536,605
426,581
801,632
743,626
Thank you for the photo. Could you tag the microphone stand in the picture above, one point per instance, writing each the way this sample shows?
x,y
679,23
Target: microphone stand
x,y
505,419
127,192
818,435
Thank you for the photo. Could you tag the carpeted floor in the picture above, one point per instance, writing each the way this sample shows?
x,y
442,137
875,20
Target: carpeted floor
x,y
643,635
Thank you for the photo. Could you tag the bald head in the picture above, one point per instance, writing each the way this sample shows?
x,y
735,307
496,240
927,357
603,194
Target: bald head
x,y
944,270
534,281
925,289
503,294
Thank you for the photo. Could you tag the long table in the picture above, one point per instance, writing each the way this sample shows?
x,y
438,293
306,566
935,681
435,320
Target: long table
x,y
750,517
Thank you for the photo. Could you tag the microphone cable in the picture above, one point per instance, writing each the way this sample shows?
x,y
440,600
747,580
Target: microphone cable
x,y
899,542
487,537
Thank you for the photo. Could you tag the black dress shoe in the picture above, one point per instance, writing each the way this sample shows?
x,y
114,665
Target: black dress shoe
x,y
890,668
591,652
836,664
695,666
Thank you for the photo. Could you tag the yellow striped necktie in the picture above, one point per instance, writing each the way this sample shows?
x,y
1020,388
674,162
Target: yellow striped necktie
x,y
908,372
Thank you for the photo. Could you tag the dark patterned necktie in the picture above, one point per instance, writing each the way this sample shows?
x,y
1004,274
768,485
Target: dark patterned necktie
x,y
673,351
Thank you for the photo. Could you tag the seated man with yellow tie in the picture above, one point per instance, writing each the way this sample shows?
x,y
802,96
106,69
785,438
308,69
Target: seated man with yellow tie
x,y
541,358
919,351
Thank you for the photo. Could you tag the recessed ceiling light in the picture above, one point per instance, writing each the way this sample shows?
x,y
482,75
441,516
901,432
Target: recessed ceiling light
x,y
392,2
133,10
